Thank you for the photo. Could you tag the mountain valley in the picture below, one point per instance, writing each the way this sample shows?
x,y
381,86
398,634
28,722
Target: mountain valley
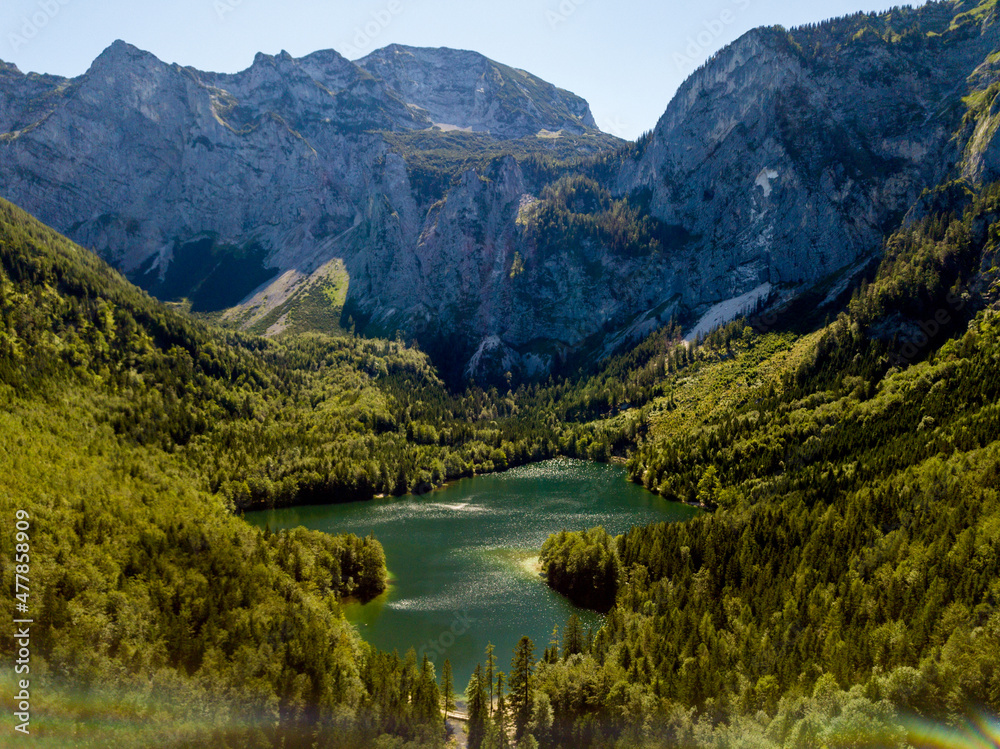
x,y
319,282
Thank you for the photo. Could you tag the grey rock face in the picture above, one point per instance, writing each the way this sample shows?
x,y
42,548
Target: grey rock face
x,y
188,180
780,164
476,281
465,90
788,167
138,158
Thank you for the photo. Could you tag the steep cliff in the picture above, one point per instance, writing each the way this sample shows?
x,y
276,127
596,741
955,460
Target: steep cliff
x,y
207,186
791,155
779,167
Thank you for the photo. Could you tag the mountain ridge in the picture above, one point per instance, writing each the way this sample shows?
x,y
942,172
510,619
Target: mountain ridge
x,y
209,186
780,166
475,79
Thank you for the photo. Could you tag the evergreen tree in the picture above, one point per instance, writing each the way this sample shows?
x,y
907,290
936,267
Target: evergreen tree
x,y
522,668
500,715
427,699
572,637
491,666
552,651
447,688
478,712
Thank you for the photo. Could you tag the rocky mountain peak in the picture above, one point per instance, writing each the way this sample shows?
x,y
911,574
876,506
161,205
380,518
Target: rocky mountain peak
x,y
121,55
464,90
278,60
321,87
9,69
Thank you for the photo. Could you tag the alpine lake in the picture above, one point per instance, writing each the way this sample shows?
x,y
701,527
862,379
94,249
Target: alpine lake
x,y
463,560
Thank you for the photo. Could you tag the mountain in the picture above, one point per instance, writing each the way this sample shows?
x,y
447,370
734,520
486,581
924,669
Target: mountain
x,y
463,90
778,168
205,186
790,156
318,192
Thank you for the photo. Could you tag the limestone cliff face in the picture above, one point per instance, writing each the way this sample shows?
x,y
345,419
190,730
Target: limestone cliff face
x,y
465,90
789,165
139,159
193,182
779,166
476,281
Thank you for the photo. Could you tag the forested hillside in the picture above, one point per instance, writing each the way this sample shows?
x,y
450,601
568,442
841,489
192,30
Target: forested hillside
x,y
309,419
845,590
132,434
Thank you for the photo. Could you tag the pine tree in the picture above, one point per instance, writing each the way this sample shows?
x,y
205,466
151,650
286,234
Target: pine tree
x,y
500,716
426,699
478,714
491,667
447,688
572,637
522,667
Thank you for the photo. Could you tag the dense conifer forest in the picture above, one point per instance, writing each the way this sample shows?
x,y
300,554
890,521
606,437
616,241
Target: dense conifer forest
x,y
845,583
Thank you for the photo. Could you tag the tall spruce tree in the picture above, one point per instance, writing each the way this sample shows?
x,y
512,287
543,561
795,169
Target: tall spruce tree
x,y
491,667
478,713
500,715
447,688
521,670
572,637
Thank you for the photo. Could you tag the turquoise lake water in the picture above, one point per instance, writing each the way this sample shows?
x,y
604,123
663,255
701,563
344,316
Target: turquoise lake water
x,y
462,559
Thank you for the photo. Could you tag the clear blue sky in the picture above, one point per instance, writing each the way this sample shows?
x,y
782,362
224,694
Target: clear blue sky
x,y
627,57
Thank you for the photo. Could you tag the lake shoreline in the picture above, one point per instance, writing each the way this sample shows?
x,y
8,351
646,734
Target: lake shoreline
x,y
615,460
464,562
